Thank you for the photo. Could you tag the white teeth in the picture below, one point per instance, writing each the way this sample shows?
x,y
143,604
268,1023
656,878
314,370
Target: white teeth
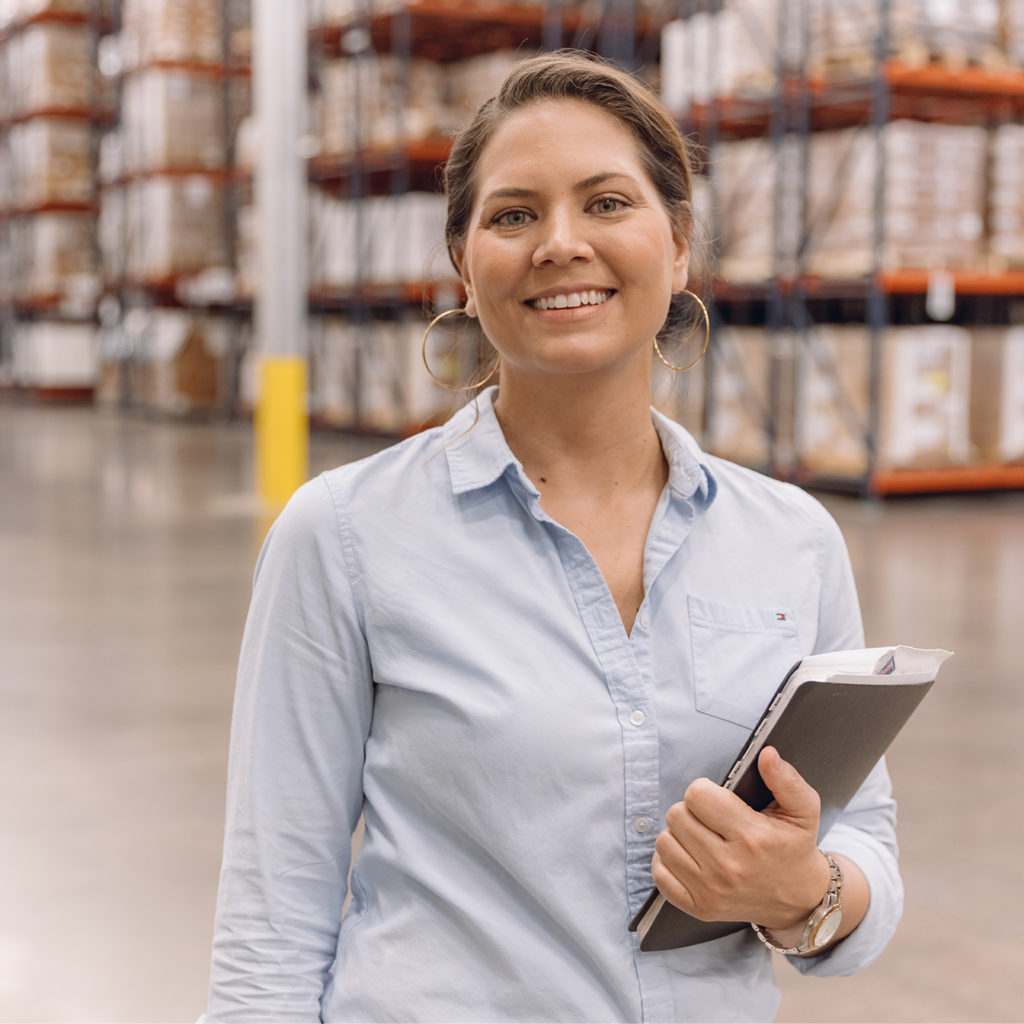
x,y
571,300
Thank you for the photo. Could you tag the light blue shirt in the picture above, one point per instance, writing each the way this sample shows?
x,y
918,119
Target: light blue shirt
x,y
428,648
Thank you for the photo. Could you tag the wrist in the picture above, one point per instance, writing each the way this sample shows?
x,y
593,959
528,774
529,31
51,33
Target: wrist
x,y
817,926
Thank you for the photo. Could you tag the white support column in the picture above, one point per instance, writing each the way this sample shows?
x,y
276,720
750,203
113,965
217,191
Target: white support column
x,y
279,78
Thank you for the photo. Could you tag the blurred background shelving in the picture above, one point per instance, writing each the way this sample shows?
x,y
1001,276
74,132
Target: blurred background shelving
x,y
861,195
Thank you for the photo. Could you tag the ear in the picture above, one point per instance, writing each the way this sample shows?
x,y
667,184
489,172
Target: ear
x,y
681,263
467,283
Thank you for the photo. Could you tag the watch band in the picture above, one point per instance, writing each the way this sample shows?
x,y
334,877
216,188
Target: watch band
x,y
824,920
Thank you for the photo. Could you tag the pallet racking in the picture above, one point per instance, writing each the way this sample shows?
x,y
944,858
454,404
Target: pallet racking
x,y
172,323
802,96
52,107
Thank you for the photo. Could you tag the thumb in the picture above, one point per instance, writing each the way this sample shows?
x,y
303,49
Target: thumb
x,y
794,798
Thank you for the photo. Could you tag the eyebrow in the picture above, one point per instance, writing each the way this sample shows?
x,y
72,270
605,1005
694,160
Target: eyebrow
x,y
581,186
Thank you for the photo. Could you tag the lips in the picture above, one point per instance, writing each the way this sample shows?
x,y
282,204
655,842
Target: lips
x,y
571,299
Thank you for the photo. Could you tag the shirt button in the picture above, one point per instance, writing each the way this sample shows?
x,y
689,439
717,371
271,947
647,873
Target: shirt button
x,y
643,620
642,825
637,718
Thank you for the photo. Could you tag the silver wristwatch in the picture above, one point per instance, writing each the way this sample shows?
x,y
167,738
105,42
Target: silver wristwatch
x,y
824,921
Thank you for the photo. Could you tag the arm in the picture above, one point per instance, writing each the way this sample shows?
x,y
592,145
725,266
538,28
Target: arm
x,y
787,876
302,711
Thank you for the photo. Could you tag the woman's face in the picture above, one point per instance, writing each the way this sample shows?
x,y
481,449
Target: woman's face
x,y
570,259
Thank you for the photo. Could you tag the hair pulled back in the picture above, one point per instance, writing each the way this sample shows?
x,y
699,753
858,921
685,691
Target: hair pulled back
x,y
575,75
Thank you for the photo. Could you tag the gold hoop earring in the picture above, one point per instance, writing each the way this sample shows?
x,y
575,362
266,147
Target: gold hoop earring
x,y
433,376
707,338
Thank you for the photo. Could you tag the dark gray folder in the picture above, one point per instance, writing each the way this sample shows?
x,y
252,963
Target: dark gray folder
x,y
833,732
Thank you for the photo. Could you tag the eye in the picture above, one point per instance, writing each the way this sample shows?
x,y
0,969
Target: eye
x,y
512,219
608,204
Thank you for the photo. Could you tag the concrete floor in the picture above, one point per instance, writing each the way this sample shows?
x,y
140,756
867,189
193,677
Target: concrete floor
x,y
126,548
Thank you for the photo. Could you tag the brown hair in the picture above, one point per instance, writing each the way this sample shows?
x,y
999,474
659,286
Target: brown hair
x,y
572,74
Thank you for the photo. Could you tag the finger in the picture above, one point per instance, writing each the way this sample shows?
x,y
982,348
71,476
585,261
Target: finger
x,y
718,810
670,885
794,798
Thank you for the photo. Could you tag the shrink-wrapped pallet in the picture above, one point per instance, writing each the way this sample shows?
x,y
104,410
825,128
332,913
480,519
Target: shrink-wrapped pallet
x,y
180,363
171,30
380,240
175,227
50,355
997,393
50,161
731,51
844,33
933,198
53,256
740,418
1013,31
172,119
1006,196
923,399
50,68
373,376
379,102
680,396
756,202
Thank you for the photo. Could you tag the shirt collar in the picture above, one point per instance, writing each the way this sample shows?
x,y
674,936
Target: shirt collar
x,y
478,454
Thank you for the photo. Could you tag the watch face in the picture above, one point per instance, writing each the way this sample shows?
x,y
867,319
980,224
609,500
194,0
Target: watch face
x,y
827,928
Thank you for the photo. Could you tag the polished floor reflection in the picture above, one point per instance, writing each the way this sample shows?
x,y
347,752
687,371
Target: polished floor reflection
x,y
126,548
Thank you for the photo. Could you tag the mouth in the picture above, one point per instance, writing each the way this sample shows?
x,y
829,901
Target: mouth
x,y
571,300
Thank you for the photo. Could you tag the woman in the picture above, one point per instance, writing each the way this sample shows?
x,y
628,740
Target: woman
x,y
513,642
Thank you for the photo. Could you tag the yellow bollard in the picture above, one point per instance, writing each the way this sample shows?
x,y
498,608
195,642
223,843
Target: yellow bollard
x,y
282,429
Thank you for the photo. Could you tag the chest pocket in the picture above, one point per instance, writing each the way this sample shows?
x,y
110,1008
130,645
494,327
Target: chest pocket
x,y
740,656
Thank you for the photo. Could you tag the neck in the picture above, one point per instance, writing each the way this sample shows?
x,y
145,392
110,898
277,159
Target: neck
x,y
567,431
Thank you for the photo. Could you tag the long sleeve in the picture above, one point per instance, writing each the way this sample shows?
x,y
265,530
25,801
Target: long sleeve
x,y
866,831
302,711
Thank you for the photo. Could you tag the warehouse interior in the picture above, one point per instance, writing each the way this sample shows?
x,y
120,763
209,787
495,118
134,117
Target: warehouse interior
x,y
861,215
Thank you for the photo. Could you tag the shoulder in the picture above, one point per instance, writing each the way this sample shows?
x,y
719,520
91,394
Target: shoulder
x,y
767,505
394,474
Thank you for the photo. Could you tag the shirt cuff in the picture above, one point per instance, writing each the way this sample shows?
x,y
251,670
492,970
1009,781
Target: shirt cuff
x,y
865,944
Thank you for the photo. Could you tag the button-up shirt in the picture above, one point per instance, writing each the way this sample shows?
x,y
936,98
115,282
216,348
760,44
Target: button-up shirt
x,y
428,649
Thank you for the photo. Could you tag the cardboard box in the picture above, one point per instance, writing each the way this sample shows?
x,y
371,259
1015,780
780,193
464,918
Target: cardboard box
x,y
171,30
54,355
997,393
172,119
740,410
924,393
175,227
53,255
50,162
179,363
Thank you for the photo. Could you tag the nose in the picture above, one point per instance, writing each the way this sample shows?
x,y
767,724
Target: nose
x,y
562,240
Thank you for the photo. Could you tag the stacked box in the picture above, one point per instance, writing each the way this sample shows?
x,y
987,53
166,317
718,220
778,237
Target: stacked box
x,y
54,355
171,30
53,255
1013,31
175,226
49,67
680,396
740,408
381,240
384,361
997,394
753,242
50,162
172,119
731,51
934,196
180,362
843,33
923,399
1006,196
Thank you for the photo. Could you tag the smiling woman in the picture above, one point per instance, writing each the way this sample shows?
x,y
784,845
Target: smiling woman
x,y
484,641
